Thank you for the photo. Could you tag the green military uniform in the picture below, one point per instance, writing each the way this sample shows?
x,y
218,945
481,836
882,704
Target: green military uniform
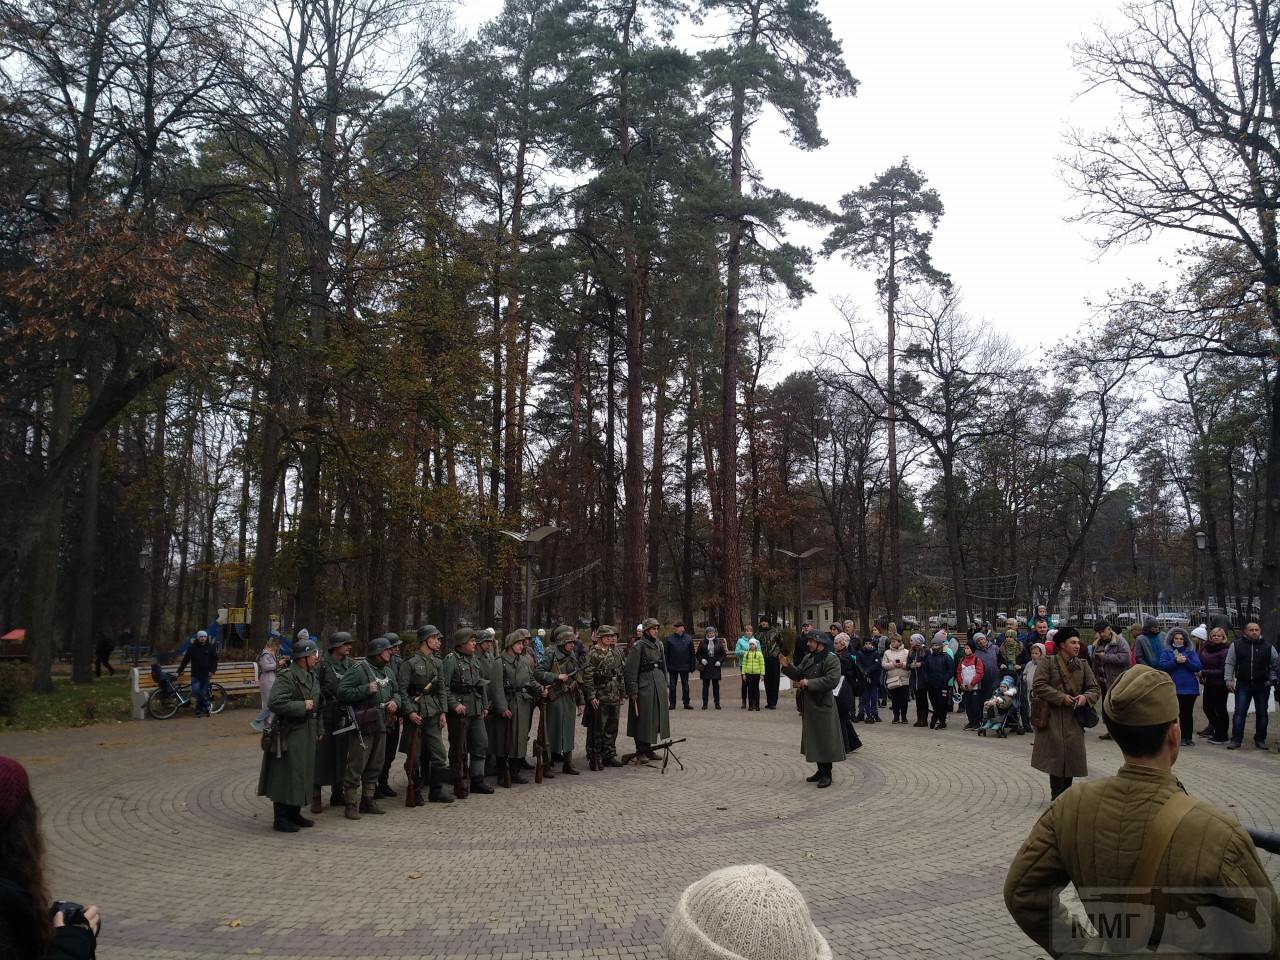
x,y
422,686
493,673
820,737
331,751
563,699
288,767
365,751
648,720
513,689
1101,834
602,681
394,723
466,684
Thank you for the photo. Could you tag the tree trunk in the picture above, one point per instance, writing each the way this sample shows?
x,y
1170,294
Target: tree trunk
x,y
44,576
83,637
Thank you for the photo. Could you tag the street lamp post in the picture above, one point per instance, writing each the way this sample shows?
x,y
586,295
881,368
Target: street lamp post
x,y
1202,541
800,558
1093,584
529,539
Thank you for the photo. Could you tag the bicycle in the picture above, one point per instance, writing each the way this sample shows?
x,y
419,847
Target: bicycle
x,y
166,700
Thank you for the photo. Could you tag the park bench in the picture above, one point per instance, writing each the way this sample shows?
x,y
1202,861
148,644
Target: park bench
x,y
237,678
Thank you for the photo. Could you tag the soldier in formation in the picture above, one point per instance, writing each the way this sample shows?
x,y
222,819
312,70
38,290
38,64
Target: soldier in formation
x,y
603,689
559,673
648,718
466,684
341,721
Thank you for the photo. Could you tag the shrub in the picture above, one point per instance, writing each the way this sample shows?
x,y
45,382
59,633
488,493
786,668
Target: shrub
x,y
15,683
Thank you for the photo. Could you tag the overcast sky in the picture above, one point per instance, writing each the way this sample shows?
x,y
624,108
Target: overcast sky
x,y
978,96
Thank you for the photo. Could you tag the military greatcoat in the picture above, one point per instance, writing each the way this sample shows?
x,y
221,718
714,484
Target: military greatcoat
x,y
646,679
515,689
820,738
562,712
331,751
288,779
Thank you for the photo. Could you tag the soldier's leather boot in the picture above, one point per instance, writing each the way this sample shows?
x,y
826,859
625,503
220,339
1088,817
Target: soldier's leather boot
x,y
335,797
614,762
384,790
479,786
436,792
283,822
317,800
568,766
514,767
370,805
418,799
352,812
295,814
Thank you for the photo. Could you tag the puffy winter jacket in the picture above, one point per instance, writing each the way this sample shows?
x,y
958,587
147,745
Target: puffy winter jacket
x,y
937,671
1183,674
894,664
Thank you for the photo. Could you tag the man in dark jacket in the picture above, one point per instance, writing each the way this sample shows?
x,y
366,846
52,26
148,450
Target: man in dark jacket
x,y
771,647
1250,671
938,671
679,650
203,657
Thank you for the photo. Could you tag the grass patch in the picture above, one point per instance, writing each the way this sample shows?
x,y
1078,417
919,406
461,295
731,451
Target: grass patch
x,y
73,704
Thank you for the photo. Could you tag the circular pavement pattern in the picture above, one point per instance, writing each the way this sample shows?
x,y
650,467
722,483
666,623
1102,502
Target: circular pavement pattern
x,y
904,856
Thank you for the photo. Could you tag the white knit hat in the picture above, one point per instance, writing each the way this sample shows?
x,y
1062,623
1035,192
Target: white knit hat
x,y
743,913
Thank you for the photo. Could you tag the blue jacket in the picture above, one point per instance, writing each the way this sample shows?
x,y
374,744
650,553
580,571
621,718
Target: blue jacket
x,y
938,670
1183,674
679,653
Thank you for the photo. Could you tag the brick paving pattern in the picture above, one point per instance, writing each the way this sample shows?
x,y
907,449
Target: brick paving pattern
x,y
903,857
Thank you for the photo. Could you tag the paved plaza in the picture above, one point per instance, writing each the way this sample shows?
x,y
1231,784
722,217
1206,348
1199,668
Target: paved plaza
x,y
903,857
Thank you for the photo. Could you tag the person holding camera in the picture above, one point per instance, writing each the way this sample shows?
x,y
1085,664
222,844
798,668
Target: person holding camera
x,y
31,929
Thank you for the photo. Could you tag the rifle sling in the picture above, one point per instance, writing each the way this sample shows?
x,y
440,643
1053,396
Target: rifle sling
x,y
1157,839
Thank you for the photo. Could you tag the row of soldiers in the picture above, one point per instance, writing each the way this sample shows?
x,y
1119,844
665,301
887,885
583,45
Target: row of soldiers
x,y
340,722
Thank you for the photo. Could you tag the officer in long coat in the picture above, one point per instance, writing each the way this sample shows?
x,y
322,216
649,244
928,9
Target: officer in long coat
x,y
514,691
559,673
331,751
422,687
603,689
370,689
816,677
648,719
466,702
394,724
288,767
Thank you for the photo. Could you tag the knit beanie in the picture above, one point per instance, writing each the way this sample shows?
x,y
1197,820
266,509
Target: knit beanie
x,y
743,913
14,787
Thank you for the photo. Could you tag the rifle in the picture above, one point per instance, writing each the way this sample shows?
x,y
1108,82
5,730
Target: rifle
x,y
1269,842
458,755
411,767
504,766
540,744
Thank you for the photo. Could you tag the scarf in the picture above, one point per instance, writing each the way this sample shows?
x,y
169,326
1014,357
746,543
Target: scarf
x,y
1070,672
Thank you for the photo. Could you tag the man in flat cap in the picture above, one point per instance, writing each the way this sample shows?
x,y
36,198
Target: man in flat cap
x,y
1142,853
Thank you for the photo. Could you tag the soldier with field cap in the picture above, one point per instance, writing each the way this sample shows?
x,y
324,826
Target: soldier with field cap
x,y
467,702
648,719
1137,844
603,689
331,750
370,689
289,767
394,724
423,693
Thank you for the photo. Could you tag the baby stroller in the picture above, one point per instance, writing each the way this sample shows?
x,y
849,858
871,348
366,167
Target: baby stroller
x,y
1006,717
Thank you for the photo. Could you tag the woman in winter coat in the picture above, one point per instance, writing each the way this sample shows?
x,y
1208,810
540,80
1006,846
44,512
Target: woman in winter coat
x,y
1180,660
969,673
894,664
938,673
917,682
868,660
1061,684
1036,657
816,676
268,662
849,673
1213,661
1112,656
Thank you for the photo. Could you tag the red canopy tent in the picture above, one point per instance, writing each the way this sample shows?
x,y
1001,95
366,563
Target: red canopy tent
x,y
19,635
